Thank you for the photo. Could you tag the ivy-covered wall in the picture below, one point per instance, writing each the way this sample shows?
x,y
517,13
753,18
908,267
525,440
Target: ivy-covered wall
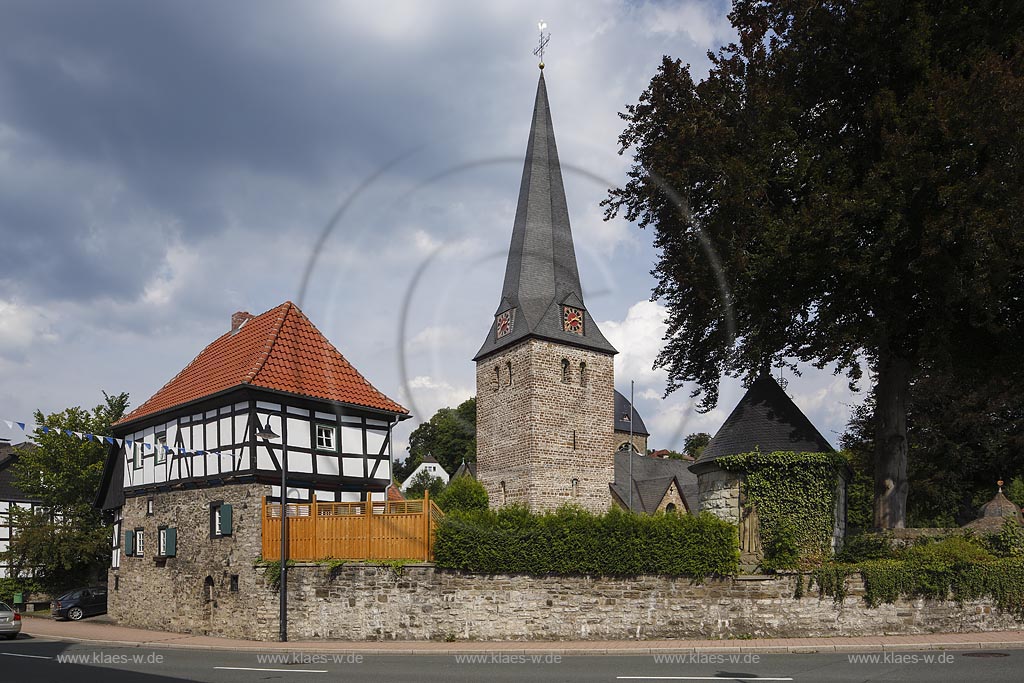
x,y
797,497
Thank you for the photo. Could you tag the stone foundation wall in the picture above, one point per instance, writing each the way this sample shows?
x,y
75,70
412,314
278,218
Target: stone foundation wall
x,y
418,602
365,602
718,492
172,594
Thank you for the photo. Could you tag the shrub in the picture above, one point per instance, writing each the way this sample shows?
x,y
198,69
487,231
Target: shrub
x,y
953,550
1009,542
867,546
464,494
571,540
781,549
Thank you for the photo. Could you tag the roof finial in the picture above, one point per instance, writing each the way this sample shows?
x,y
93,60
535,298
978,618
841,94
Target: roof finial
x,y
1000,484
542,41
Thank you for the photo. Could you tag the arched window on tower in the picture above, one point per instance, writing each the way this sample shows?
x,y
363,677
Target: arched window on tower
x,y
504,494
497,378
566,372
575,487
508,369
583,374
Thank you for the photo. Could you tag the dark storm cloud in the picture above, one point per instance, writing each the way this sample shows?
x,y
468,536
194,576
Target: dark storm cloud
x,y
146,111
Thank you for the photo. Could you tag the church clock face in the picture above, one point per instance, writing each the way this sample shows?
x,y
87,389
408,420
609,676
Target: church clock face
x,y
505,321
572,320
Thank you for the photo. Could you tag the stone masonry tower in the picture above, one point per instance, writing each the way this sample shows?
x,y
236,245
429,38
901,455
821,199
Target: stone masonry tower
x,y
544,375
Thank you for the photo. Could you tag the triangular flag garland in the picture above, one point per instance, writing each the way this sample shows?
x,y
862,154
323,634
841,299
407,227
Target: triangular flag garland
x,y
111,440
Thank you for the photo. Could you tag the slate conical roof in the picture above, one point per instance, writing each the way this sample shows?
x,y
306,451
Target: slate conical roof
x,y
622,417
541,274
764,420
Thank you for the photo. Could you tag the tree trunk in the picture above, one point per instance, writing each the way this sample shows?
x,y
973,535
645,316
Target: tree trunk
x,y
891,485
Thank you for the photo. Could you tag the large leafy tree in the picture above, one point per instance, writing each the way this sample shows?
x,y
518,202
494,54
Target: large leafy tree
x,y
449,435
68,544
843,187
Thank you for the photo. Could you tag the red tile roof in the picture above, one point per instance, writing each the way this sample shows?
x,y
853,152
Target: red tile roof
x,y
394,494
281,350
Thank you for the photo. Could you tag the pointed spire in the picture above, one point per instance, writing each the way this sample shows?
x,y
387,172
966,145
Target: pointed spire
x,y
541,276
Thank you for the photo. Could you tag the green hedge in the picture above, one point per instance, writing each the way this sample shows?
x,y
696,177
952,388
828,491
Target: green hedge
x,y
955,568
514,540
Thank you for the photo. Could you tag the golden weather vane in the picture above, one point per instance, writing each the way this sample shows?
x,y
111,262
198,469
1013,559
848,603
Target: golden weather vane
x,y
542,42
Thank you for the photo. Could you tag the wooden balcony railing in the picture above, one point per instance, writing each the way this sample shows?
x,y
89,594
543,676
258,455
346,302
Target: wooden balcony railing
x,y
377,530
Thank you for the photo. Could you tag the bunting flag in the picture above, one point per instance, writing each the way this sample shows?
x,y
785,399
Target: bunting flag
x,y
120,442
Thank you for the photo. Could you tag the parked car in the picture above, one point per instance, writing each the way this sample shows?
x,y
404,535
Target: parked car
x,y
10,621
81,602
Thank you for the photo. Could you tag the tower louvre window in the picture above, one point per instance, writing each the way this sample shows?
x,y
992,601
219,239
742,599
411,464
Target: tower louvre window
x,y
583,374
508,368
566,373
497,377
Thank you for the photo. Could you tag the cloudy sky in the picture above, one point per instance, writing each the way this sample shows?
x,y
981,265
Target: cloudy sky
x,y
164,164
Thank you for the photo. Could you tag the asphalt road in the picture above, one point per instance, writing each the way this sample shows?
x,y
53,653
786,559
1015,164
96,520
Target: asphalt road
x,y
40,661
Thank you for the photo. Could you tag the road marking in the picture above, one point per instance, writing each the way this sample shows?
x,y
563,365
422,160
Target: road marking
x,y
700,678
250,668
15,654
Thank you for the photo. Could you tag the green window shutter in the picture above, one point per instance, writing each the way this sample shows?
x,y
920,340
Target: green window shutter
x,y
170,542
225,519
129,542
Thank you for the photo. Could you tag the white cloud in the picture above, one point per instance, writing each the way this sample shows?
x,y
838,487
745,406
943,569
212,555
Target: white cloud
x,y
21,327
704,23
638,339
428,395
436,336
179,267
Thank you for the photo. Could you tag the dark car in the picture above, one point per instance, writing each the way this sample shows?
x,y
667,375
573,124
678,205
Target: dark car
x,y
78,603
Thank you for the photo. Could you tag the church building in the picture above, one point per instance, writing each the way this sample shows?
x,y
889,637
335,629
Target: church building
x,y
544,374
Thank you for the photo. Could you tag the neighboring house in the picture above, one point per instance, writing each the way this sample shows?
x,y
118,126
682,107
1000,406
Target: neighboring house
x,y
658,484
429,465
466,469
11,497
190,503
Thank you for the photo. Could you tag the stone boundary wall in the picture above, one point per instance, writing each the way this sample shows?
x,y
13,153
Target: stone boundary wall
x,y
195,592
419,602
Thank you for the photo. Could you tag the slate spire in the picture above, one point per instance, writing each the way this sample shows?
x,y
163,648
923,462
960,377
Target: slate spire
x,y
541,277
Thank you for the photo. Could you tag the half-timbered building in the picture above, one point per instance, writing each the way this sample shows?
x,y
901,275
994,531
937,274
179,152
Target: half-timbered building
x,y
194,468
12,498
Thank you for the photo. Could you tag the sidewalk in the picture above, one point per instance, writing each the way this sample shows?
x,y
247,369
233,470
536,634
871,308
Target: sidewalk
x,y
106,633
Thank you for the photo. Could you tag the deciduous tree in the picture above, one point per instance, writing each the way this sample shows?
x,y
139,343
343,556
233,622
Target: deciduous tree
x,y
843,187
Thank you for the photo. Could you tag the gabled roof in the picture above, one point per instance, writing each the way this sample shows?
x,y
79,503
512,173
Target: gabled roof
x,y
622,413
765,420
651,480
541,273
280,350
9,491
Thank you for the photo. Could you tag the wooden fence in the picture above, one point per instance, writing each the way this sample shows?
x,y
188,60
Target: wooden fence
x,y
370,530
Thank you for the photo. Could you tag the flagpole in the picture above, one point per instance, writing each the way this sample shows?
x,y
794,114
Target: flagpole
x,y
630,451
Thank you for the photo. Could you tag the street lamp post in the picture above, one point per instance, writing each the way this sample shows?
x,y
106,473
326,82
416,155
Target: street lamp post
x,y
267,434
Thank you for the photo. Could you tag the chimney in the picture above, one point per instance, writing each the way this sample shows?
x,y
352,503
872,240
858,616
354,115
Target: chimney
x,y
240,318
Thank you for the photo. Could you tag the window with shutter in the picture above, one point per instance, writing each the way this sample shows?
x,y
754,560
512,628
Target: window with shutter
x,y
129,542
171,549
225,520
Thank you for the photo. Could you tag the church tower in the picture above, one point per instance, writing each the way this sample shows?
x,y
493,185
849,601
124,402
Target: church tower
x,y
544,375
